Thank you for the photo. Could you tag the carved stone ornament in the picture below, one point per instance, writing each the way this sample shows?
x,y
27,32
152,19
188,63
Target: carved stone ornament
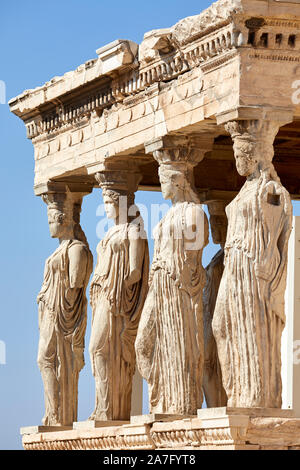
x,y
249,314
63,309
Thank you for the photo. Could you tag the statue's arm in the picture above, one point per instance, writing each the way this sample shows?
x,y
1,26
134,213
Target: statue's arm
x,y
77,266
136,257
273,247
196,232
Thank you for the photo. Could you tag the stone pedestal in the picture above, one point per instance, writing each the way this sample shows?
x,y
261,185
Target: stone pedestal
x,y
212,429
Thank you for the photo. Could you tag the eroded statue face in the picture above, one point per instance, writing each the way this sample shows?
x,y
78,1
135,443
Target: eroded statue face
x,y
167,189
245,167
111,208
169,181
246,163
56,222
218,224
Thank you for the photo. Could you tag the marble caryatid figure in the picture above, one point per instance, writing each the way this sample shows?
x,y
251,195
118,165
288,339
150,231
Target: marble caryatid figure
x,y
169,343
63,309
118,291
249,313
212,377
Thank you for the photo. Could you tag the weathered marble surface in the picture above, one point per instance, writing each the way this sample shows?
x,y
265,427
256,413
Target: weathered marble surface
x,y
236,60
169,344
214,429
214,392
118,291
62,310
249,314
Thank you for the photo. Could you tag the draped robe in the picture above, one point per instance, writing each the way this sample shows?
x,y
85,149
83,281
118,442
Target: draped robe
x,y
116,313
249,314
169,343
62,324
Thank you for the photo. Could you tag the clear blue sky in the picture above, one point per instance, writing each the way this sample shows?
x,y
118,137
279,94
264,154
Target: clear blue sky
x,y
40,40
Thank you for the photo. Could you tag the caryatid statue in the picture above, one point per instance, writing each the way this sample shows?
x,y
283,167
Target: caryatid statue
x,y
212,377
63,308
249,314
169,344
118,291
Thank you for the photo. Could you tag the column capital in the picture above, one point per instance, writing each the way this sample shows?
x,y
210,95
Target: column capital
x,y
74,190
121,176
253,139
253,129
179,149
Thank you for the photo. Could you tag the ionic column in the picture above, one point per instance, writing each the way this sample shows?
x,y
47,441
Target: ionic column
x,y
212,376
62,304
169,343
118,290
249,313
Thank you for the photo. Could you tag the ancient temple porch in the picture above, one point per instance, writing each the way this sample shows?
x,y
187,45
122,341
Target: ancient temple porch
x,y
180,91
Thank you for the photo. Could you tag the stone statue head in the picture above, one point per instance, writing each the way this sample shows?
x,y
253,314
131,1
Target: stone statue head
x,y
117,203
218,221
218,224
176,183
111,204
245,157
64,216
59,214
253,146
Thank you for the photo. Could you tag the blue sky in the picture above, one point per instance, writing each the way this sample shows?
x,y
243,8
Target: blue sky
x,y
40,40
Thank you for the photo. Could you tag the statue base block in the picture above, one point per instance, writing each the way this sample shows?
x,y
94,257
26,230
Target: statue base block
x,y
91,424
211,429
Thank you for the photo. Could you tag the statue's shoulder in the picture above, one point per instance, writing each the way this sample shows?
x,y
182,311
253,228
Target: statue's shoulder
x,y
78,243
193,213
136,231
79,247
193,207
275,194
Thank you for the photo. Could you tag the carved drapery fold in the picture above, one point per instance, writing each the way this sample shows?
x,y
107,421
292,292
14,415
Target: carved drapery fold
x,y
249,313
169,343
63,306
118,291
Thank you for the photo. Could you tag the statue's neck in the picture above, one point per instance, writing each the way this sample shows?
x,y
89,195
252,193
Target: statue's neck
x,y
254,176
68,235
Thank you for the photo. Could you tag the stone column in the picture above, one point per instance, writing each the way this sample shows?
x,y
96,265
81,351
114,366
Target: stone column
x,y
249,314
118,290
62,303
169,343
214,392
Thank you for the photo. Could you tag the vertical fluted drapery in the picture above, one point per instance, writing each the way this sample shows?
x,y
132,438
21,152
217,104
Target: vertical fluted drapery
x,y
169,343
118,290
249,313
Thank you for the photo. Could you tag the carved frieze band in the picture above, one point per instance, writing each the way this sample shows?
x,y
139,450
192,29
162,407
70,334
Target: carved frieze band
x,y
259,431
206,52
